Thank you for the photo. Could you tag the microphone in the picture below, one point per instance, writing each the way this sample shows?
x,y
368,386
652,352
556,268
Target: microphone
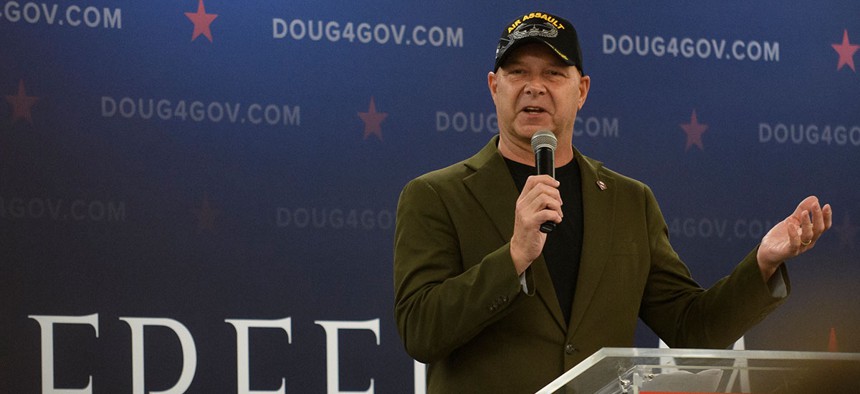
x,y
543,144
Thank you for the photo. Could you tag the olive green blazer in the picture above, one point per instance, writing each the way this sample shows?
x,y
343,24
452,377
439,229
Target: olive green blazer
x,y
461,308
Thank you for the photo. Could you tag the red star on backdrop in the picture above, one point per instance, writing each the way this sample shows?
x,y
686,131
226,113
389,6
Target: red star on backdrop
x,y
206,216
201,21
694,131
372,121
22,104
846,52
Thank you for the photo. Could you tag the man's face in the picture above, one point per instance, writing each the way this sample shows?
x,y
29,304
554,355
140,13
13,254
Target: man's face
x,y
535,90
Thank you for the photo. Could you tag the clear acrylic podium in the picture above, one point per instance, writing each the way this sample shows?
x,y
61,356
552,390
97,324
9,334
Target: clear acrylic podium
x,y
641,371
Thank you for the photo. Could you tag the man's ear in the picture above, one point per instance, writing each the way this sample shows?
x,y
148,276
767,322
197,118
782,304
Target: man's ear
x,y
584,85
492,84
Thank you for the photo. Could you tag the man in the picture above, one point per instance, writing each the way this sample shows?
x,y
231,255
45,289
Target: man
x,y
493,304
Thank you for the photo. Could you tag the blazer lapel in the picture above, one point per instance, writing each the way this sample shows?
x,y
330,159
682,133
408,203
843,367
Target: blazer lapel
x,y
494,189
598,197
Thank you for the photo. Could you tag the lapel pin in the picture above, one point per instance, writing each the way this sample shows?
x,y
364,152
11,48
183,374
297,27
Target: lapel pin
x,y
601,185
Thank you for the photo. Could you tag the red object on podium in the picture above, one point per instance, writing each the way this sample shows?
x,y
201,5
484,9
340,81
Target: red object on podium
x,y
832,345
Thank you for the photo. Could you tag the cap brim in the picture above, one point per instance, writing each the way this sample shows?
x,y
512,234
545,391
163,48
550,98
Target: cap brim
x,y
527,40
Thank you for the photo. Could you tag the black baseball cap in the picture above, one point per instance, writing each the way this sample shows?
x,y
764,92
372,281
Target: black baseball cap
x,y
555,32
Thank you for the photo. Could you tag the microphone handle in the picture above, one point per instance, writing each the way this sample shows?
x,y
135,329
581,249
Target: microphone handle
x,y
545,164
547,227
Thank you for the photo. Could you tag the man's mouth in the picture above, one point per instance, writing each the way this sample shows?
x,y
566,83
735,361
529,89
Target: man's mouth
x,y
533,110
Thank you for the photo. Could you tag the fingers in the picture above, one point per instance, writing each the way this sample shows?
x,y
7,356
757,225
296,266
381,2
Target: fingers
x,y
541,200
807,233
796,234
535,180
827,213
806,205
817,226
794,228
813,221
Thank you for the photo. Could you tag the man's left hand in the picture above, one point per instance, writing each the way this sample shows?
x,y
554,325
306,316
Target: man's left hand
x,y
796,234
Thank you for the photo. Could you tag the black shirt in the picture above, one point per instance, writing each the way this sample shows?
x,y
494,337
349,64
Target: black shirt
x,y
564,244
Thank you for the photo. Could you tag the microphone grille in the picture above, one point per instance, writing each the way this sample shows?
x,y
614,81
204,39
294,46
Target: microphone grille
x,y
544,139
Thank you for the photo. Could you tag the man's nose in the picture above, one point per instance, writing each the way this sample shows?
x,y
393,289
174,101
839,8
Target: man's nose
x,y
535,87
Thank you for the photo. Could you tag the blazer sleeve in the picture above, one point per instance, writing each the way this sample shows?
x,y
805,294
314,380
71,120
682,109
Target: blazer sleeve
x,y
441,301
685,315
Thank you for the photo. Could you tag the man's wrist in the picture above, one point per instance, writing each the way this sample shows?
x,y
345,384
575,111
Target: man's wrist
x,y
765,265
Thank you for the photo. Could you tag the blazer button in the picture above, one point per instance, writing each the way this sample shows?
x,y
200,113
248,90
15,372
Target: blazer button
x,y
569,349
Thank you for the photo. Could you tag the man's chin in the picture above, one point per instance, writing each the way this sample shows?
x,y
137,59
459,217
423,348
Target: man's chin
x,y
530,130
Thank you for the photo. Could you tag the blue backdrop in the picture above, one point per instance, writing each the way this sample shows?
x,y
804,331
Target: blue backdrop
x,y
176,176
